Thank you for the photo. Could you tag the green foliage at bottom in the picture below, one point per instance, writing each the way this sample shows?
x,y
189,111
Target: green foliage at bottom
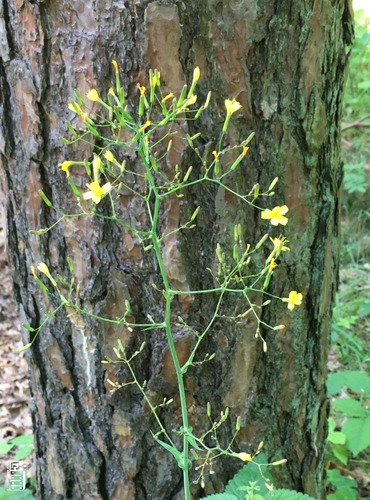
x,y
254,482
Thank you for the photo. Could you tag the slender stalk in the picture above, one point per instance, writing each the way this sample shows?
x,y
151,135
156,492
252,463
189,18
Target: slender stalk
x,y
169,294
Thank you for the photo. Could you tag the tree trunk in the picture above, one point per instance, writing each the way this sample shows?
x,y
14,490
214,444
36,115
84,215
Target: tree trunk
x,y
285,62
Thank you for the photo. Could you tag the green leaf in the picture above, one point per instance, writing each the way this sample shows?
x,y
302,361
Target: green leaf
x,y
23,452
341,453
174,452
357,431
335,478
355,380
28,327
337,437
289,495
5,447
249,473
23,440
350,407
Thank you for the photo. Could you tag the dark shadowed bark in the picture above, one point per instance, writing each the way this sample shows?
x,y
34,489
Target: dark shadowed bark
x,y
284,61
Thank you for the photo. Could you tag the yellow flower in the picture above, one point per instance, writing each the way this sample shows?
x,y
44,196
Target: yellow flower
x,y
276,215
246,457
215,154
93,95
142,89
43,268
272,265
295,299
232,106
168,96
75,107
145,126
196,74
33,272
111,92
96,192
65,166
97,163
245,151
108,155
279,245
192,100
115,65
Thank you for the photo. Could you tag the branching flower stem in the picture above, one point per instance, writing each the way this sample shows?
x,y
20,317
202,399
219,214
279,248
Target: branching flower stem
x,y
169,294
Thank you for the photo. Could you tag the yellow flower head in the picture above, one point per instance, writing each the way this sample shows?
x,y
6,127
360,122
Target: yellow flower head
x,y
115,65
246,457
192,100
276,215
111,92
96,192
43,268
142,89
97,163
145,126
272,265
295,299
279,245
93,95
76,108
108,155
232,105
33,272
196,74
245,151
65,166
168,96
215,154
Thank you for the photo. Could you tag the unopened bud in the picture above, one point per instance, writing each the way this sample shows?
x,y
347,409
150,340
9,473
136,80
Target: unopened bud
x,y
279,462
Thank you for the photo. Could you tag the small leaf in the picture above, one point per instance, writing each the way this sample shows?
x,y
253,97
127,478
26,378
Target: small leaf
x,y
171,449
24,452
28,327
337,437
5,447
341,453
23,440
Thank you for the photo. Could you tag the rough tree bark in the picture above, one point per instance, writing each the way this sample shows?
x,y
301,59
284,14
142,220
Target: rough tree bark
x,y
284,61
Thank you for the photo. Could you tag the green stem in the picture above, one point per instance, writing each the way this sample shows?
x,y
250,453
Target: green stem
x,y
169,294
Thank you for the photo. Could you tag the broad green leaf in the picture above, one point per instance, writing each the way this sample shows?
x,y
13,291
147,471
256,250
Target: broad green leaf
x,y
357,431
249,473
341,453
289,495
335,478
345,494
355,380
350,407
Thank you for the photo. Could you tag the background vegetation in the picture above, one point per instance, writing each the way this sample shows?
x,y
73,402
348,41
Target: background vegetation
x,y
348,451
